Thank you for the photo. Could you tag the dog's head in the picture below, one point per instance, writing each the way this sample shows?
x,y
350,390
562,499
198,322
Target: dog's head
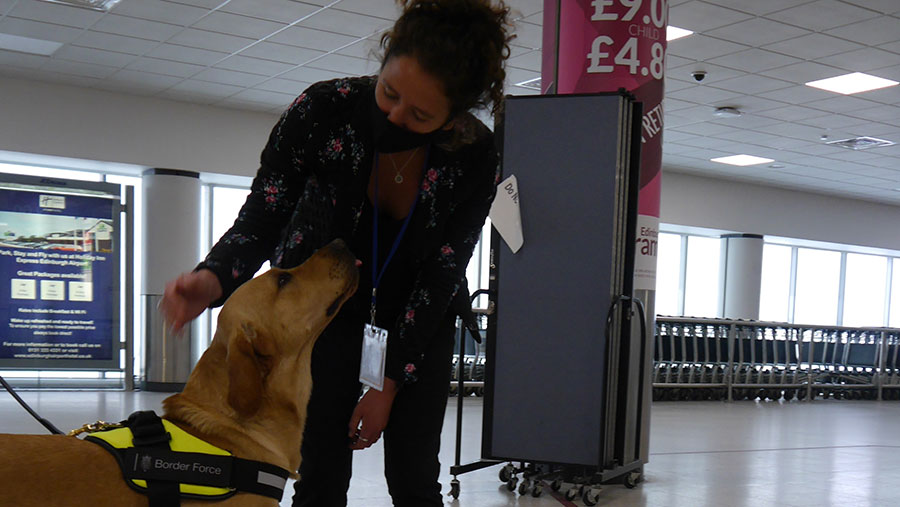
x,y
274,318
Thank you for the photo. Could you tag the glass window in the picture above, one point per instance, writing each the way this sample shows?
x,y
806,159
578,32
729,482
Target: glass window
x,y
818,283
668,274
895,293
701,278
46,172
775,284
226,203
478,270
864,285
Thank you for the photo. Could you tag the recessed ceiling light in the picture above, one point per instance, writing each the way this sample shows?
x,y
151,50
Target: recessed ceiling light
x,y
742,160
673,32
97,5
852,83
28,45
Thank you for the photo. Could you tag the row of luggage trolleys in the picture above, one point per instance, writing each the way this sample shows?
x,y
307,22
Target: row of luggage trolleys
x,y
703,359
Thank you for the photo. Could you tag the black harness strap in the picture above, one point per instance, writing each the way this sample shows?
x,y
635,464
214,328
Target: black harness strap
x,y
258,477
149,432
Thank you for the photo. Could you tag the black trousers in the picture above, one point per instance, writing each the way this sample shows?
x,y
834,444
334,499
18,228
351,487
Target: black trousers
x,y
412,438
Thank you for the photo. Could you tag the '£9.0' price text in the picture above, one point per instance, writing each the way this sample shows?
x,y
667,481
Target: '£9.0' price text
x,y
628,55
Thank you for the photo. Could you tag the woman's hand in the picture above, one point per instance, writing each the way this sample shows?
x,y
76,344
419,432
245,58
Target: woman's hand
x,y
371,415
187,296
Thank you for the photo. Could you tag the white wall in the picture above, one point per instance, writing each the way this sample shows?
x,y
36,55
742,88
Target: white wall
x,y
697,201
68,121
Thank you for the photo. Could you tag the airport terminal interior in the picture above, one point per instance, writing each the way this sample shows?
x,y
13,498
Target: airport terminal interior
x,y
770,374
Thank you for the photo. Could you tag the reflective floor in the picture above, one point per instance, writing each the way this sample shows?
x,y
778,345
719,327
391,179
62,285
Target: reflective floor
x,y
822,453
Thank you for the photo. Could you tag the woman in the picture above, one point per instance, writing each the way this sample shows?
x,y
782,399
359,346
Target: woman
x,y
397,167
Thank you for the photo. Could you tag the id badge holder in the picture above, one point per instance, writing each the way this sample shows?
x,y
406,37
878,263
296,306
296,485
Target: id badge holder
x,y
374,357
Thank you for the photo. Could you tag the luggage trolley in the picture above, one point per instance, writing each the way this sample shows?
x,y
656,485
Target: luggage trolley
x,y
567,372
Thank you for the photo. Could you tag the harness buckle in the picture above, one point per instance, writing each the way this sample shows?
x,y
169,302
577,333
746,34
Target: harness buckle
x,y
93,428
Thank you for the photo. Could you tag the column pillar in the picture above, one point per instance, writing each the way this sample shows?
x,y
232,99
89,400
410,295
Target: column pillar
x,y
742,276
171,229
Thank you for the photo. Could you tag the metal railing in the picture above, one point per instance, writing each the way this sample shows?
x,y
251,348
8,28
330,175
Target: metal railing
x,y
699,359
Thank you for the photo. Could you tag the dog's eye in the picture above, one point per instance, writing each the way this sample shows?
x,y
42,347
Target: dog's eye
x,y
283,279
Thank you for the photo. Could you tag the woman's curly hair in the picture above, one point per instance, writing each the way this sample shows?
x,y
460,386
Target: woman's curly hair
x,y
463,43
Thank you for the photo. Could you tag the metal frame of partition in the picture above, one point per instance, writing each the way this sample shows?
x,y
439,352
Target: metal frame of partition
x,y
699,359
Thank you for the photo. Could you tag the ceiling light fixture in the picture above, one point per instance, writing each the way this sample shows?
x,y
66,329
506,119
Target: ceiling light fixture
x,y
28,45
742,160
727,112
861,143
97,5
849,84
673,33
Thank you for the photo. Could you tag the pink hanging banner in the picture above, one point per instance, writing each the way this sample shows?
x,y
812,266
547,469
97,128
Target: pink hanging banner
x,y
604,46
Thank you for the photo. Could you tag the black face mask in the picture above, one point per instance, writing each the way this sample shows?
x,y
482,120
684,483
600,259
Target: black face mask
x,y
390,138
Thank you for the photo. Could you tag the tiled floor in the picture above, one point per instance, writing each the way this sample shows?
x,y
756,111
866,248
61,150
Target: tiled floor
x,y
824,453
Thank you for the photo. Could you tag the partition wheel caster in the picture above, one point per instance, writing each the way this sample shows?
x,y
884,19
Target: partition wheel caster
x,y
590,496
454,488
537,490
571,493
506,473
632,480
511,483
523,488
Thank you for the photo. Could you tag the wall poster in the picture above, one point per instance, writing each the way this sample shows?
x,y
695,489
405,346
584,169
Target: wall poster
x,y
59,274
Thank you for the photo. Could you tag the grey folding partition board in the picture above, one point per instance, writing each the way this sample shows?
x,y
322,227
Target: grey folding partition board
x,y
545,398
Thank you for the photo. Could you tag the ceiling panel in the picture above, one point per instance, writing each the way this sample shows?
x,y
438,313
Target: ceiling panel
x,y
254,65
108,41
39,30
204,39
241,26
281,53
822,15
58,14
184,54
134,27
282,11
703,16
230,77
881,30
347,23
165,12
94,56
165,67
315,39
812,46
755,60
757,31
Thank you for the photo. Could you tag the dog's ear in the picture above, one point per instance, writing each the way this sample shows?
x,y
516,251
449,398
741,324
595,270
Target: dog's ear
x,y
249,359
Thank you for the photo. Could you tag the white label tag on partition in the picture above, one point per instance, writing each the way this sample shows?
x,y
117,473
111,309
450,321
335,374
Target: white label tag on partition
x,y
505,213
374,357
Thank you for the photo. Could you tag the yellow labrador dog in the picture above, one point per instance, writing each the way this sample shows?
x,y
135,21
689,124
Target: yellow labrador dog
x,y
247,394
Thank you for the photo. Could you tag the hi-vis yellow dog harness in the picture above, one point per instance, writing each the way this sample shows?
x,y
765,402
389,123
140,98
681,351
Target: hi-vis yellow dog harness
x,y
166,463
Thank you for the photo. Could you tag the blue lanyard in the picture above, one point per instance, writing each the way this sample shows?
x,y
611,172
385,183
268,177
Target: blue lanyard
x,y
376,274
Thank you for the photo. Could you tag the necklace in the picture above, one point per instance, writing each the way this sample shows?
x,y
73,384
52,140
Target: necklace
x,y
398,178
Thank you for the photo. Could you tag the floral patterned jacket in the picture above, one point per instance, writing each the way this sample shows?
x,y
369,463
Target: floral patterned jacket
x,y
310,189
